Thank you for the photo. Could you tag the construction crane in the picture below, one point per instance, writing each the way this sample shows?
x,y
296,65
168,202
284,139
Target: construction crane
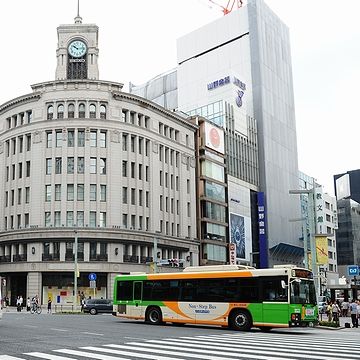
x,y
230,5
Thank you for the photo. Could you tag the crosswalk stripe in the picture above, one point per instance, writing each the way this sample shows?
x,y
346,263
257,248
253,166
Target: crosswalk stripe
x,y
8,357
298,347
48,356
90,355
204,352
245,349
122,352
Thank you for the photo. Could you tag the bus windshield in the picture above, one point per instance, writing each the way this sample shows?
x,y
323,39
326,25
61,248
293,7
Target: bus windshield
x,y
302,292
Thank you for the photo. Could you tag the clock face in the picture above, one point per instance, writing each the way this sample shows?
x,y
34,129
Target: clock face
x,y
77,48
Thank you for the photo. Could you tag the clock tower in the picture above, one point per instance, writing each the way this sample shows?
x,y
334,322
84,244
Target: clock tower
x,y
77,52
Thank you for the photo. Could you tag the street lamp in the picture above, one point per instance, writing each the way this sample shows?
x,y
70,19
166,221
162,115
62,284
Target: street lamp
x,y
311,214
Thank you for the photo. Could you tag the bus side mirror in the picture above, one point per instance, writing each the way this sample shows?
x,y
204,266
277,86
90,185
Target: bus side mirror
x,y
283,284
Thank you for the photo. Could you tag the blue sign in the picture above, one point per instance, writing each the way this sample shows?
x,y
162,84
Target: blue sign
x,y
92,277
263,245
353,270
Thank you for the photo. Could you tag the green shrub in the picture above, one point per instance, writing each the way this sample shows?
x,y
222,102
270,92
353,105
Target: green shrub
x,y
334,324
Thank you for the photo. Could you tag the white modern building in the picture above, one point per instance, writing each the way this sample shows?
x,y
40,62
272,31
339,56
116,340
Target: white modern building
x,y
236,72
80,159
322,230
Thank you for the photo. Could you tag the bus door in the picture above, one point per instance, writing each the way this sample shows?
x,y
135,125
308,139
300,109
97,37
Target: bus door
x,y
275,301
138,293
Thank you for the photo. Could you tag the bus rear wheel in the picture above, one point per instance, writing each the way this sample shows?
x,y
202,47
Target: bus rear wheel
x,y
154,316
240,320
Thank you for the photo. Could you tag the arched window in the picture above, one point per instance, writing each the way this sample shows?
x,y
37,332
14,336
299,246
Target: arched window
x,y
50,112
81,110
92,111
102,112
71,111
60,111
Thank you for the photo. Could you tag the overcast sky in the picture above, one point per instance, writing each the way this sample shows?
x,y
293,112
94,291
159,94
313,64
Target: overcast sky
x,y
137,41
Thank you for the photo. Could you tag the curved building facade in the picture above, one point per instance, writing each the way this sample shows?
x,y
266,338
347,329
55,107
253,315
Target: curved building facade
x,y
84,162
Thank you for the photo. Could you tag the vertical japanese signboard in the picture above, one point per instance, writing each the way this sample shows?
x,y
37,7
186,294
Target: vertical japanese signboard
x,y
263,248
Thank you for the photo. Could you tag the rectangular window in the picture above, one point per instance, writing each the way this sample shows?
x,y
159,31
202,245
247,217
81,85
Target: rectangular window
x,y
102,219
124,168
132,196
133,219
92,219
47,192
19,196
13,172
132,169
161,203
147,147
69,218
102,192
6,198
28,142
81,138
20,170
80,165
80,219
80,192
93,137
92,192
140,197
102,140
47,218
58,165
48,166
92,165
70,192
124,221
70,165
21,144
71,138
132,143
140,145
146,173
27,195
58,138
49,139
102,166
124,142
140,172
161,178
147,199
57,192
12,198
57,218
124,195
28,168
26,221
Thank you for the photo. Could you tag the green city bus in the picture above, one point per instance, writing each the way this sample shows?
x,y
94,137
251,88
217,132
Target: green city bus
x,y
234,296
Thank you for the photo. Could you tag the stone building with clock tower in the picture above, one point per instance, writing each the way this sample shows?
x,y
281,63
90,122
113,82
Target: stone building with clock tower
x,y
82,161
77,52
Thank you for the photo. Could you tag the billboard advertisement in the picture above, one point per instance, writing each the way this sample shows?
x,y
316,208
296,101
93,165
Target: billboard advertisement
x,y
343,187
214,137
240,235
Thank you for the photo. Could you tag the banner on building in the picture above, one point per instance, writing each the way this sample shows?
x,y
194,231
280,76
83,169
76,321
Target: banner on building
x,y
322,255
232,254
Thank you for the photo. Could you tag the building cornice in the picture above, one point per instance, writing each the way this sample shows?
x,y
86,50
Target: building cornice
x,y
153,106
24,99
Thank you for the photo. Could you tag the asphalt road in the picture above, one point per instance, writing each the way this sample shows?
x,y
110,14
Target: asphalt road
x,y
24,332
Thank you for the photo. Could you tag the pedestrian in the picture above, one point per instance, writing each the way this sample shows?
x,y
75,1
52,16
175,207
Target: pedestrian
x,y
335,312
329,311
18,304
354,314
28,303
345,308
49,305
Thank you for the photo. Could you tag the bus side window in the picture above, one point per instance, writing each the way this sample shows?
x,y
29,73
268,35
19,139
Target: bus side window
x,y
273,291
188,290
125,290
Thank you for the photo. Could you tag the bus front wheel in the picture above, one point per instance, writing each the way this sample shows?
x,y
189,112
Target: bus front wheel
x,y
154,316
240,320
